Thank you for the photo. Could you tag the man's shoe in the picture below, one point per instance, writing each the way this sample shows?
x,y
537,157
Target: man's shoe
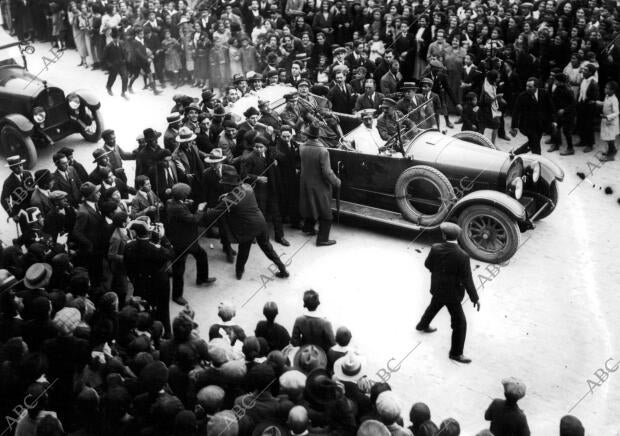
x,y
124,96
110,91
282,274
427,329
449,125
206,282
156,91
130,90
310,232
587,149
567,152
239,274
553,148
460,358
180,301
283,241
325,243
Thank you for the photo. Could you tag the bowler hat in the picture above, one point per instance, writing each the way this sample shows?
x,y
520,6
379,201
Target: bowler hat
x,y
14,160
450,230
219,112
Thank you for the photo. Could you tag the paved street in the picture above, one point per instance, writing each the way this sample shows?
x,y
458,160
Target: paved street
x,y
550,317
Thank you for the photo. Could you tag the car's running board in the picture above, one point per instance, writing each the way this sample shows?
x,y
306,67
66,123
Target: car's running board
x,y
370,213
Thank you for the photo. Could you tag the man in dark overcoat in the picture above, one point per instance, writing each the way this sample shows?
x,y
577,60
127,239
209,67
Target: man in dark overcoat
x,y
287,154
316,183
87,233
450,278
17,188
533,114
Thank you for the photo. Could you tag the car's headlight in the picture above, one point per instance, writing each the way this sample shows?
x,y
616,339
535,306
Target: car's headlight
x,y
535,167
74,101
516,187
38,114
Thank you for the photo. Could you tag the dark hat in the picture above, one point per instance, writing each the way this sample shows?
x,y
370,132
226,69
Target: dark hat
x,y
106,133
154,376
251,111
14,160
387,102
261,139
407,86
38,275
180,191
590,67
309,357
238,78
312,131
561,77
230,124
42,177
192,107
87,188
173,118
271,73
320,388
67,151
150,134
230,176
219,112
99,153
571,426
163,154
256,77
272,58
290,96
450,230
303,82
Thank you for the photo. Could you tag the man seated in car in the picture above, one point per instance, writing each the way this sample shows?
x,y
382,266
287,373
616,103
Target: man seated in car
x,y
391,120
366,138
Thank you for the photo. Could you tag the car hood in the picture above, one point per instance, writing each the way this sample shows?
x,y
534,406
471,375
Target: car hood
x,y
455,156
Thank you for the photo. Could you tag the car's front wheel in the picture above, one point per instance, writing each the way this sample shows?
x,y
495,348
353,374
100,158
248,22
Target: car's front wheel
x,y
92,132
14,142
488,233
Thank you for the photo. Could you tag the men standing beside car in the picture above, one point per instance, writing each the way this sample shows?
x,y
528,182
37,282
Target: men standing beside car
x,y
316,185
17,187
450,278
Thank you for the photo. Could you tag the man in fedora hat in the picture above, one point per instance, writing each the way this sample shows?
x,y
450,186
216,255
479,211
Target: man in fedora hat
x,y
17,187
101,159
256,83
316,183
170,135
188,158
164,175
450,278
370,99
412,105
87,233
245,220
66,179
182,231
147,158
211,190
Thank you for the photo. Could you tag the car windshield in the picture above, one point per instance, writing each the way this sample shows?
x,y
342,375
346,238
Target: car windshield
x,y
10,53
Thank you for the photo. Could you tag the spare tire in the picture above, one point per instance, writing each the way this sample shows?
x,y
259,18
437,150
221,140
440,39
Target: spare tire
x,y
424,195
475,138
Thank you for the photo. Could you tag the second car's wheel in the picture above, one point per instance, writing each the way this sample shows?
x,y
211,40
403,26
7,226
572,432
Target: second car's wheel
x,y
553,195
475,138
92,133
14,142
424,195
488,233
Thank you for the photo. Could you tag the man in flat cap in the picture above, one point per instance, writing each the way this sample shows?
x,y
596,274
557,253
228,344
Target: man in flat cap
x,y
450,278
505,416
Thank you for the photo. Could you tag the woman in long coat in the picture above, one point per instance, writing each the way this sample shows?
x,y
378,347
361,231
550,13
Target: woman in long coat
x,y
453,61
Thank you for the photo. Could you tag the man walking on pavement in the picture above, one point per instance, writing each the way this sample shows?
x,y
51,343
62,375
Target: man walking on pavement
x,y
533,115
450,278
115,58
316,184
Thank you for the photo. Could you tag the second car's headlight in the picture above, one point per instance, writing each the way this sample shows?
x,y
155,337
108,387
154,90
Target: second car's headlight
x,y
38,114
516,187
74,101
535,171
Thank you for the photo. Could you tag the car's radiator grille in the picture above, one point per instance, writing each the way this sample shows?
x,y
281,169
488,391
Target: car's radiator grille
x,y
53,100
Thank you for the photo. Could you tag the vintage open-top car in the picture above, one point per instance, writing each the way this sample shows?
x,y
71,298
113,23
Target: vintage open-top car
x,y
425,177
33,114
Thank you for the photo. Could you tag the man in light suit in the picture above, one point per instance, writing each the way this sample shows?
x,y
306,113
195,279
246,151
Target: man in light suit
x,y
450,278
390,81
370,99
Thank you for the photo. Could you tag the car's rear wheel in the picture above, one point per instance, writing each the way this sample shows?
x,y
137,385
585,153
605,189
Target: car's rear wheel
x,y
488,233
424,195
475,138
553,195
92,133
14,142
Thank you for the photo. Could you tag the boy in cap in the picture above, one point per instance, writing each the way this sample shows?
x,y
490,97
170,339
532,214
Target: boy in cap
x,y
505,416
450,277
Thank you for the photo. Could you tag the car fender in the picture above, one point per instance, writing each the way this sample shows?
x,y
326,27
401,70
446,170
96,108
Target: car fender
x,y
549,170
19,121
88,98
502,201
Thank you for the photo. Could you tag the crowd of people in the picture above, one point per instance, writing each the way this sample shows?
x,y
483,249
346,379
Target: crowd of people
x,y
479,55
